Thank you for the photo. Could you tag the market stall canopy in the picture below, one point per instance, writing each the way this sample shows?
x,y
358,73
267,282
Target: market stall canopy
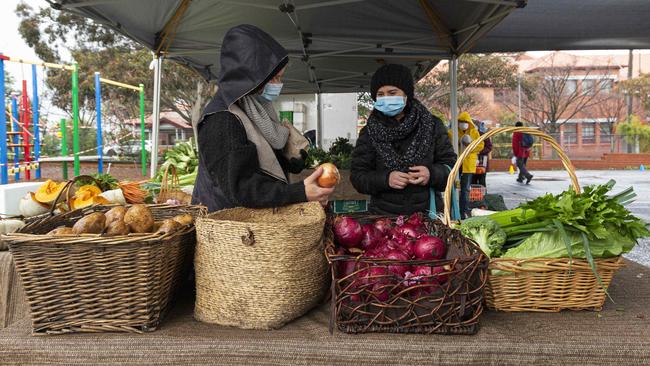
x,y
551,25
334,46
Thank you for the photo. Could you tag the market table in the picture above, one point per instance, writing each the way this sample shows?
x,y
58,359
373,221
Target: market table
x,y
620,334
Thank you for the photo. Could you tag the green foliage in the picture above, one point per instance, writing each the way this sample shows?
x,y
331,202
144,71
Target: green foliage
x,y
639,87
632,130
317,156
341,146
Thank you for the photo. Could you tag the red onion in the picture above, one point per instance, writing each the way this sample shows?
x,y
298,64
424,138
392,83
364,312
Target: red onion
x,y
347,232
398,269
374,275
383,226
410,231
399,238
381,292
429,247
400,220
417,220
408,248
371,237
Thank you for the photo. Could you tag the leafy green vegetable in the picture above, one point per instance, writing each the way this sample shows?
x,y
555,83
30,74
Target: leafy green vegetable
x,y
486,233
550,244
184,158
106,181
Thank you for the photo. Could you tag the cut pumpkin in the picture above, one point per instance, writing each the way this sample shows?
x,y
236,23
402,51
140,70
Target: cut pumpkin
x,y
99,200
85,196
49,191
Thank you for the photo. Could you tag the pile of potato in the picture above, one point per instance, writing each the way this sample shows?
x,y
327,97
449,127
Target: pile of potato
x,y
119,220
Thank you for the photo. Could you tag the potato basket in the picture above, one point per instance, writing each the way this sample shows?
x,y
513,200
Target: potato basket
x,y
367,296
93,283
540,284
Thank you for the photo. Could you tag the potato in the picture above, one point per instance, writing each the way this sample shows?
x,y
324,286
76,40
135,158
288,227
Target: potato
x,y
139,219
184,219
92,223
157,225
169,226
117,228
115,214
61,230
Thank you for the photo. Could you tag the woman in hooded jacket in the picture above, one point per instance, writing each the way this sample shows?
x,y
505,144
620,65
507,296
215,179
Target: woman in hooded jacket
x,y
245,152
403,153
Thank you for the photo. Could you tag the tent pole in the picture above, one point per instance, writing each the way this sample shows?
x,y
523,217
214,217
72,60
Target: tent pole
x,y
155,118
319,121
453,96
37,133
143,153
98,113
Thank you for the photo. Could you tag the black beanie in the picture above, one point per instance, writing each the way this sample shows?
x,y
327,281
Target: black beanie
x,y
395,75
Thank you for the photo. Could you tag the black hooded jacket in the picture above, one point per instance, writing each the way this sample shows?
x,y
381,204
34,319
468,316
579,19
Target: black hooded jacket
x,y
229,173
370,175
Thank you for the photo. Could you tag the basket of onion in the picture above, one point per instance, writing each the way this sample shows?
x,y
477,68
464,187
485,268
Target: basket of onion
x,y
403,275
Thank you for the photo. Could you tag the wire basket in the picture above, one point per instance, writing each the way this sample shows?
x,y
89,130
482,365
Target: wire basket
x,y
371,298
477,193
540,284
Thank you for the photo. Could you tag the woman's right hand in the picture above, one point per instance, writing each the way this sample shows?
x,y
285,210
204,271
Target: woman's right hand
x,y
313,191
398,180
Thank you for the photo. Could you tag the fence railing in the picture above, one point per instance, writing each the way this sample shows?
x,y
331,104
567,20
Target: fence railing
x,y
576,146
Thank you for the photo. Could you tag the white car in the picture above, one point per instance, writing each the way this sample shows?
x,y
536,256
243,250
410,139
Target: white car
x,y
126,148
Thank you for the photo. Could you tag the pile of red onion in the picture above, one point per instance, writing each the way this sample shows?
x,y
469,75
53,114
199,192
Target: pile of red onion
x,y
401,241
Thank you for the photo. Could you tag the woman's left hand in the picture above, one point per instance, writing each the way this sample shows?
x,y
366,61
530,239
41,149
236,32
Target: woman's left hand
x,y
419,175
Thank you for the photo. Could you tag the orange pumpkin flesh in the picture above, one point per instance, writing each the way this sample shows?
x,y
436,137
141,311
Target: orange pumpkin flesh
x,y
330,176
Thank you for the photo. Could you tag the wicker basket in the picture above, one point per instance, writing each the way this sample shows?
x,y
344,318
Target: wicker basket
x,y
259,268
540,284
91,283
170,188
446,303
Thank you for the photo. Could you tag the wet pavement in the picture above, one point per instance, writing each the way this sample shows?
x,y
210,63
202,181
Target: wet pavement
x,y
558,181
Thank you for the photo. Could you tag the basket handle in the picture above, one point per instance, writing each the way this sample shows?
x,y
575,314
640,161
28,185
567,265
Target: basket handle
x,y
568,166
67,189
165,186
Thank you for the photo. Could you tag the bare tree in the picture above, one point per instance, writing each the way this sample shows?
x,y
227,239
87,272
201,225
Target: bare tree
x,y
554,93
612,108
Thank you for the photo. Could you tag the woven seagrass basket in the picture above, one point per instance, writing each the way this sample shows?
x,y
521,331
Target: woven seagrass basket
x,y
540,284
259,268
91,283
449,302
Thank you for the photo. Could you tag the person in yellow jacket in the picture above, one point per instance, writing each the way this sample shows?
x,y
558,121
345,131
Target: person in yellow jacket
x,y
467,132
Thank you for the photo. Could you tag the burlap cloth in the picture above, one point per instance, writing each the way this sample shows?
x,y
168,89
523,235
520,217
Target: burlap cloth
x,y
619,335
13,305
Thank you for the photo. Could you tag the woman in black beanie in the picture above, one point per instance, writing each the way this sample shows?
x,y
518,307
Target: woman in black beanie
x,y
403,154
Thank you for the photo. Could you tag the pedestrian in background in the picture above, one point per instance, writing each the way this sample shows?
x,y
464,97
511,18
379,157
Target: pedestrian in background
x,y
521,145
467,132
483,163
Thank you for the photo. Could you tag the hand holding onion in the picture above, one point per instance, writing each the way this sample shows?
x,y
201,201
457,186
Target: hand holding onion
x,y
314,191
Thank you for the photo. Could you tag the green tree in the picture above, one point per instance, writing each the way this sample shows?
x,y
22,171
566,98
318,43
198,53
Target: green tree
x,y
639,87
633,131
474,71
53,34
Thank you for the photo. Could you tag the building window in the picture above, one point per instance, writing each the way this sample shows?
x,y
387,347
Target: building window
x,y
606,86
588,133
588,86
570,133
605,135
570,87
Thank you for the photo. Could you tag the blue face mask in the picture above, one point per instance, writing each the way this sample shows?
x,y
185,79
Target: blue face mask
x,y
271,91
391,105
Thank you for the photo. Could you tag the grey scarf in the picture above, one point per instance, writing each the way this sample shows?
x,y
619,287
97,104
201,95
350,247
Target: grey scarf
x,y
266,119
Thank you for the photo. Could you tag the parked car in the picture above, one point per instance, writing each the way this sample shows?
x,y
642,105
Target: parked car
x,y
130,148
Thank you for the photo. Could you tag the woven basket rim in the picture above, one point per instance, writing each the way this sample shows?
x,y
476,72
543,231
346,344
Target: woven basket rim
x,y
309,220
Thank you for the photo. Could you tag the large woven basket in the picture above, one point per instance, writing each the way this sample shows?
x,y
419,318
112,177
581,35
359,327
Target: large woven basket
x,y
540,284
259,268
364,303
91,283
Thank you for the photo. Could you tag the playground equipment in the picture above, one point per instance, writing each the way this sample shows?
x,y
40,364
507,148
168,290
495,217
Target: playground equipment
x,y
98,106
20,120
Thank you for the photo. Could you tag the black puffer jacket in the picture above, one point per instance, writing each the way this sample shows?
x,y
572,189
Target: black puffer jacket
x,y
229,169
370,175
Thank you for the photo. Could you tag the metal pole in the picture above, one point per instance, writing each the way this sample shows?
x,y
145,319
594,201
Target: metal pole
x,y
27,155
155,118
144,152
319,120
15,139
519,97
75,118
64,147
629,77
98,112
4,179
35,117
453,80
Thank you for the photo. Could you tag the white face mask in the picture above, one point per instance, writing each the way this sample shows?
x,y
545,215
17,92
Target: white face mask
x,y
463,125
